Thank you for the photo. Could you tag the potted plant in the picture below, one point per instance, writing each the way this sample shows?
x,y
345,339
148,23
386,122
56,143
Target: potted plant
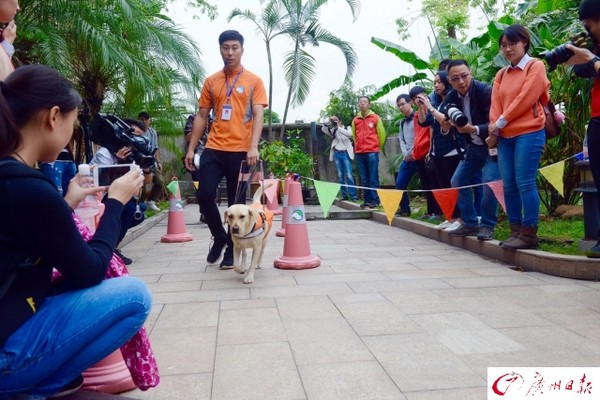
x,y
290,156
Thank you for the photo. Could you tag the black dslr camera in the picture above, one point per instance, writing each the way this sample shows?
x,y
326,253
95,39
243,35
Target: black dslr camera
x,y
113,133
561,54
331,124
453,113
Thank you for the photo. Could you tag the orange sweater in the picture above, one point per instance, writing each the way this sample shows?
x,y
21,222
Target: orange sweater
x,y
516,94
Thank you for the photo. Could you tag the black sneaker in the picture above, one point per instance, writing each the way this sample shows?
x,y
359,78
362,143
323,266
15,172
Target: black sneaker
x,y
227,262
485,233
594,252
464,230
70,387
126,260
215,249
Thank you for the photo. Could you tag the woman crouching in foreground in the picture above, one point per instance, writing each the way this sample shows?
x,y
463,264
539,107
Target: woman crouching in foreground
x,y
50,333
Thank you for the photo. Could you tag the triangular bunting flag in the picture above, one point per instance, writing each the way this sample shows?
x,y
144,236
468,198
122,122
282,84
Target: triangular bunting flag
x,y
390,199
173,187
446,199
271,189
498,189
196,184
326,192
554,174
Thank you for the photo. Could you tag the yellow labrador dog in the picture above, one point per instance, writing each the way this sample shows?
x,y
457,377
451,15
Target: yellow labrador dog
x,y
249,226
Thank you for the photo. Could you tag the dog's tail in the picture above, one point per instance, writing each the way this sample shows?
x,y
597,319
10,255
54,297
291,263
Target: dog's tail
x,y
259,192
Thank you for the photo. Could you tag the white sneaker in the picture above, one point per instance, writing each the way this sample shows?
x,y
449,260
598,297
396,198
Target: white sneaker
x,y
453,226
151,205
444,224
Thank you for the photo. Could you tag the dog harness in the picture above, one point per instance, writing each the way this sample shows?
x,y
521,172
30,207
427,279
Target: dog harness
x,y
258,228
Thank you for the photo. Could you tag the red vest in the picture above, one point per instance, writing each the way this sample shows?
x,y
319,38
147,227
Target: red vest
x,y
366,140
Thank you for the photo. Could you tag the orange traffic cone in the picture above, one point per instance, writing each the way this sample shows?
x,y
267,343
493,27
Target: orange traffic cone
x,y
286,191
271,192
109,375
176,232
296,249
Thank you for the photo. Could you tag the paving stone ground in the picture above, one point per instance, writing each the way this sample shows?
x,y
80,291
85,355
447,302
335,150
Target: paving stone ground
x,y
388,315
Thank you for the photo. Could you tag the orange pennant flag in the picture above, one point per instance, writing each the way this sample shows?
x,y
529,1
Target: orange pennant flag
x,y
498,189
390,199
446,198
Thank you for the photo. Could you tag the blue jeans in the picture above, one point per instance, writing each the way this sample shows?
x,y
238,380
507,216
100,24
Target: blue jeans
x,y
519,159
69,333
343,164
593,134
368,169
60,172
477,159
405,173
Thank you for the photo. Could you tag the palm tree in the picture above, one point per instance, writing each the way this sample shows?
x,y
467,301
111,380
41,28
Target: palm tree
x,y
301,24
110,47
268,25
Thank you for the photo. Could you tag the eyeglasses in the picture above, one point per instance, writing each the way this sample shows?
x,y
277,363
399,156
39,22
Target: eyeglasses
x,y
509,45
462,77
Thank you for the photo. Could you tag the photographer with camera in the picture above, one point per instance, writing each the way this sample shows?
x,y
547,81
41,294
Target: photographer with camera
x,y
8,35
446,150
472,100
587,65
517,124
51,331
342,152
133,212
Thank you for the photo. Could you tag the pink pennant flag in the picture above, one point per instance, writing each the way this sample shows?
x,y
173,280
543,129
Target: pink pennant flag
x,y
498,189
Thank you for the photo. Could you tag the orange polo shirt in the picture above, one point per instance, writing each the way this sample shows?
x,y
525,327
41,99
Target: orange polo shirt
x,y
247,90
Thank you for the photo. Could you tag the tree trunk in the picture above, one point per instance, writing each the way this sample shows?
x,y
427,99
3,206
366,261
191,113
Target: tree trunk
x,y
271,135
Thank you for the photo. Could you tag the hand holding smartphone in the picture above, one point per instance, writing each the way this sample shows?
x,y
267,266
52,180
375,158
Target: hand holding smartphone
x,y
104,175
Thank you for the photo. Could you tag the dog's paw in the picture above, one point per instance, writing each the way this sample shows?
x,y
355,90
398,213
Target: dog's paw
x,y
249,278
238,269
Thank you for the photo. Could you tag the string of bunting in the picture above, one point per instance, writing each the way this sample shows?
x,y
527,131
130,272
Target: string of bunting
x,y
446,198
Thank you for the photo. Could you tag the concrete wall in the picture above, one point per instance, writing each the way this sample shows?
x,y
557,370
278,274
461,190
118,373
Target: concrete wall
x,y
318,146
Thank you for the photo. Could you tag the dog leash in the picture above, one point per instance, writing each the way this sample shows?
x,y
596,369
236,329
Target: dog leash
x,y
242,186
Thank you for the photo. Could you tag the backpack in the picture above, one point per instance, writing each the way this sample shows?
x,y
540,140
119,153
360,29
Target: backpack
x,y
551,126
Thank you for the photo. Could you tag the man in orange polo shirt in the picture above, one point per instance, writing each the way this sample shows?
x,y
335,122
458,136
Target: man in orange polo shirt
x,y
237,98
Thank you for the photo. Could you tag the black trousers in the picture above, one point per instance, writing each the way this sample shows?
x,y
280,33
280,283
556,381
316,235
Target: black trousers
x,y
214,165
593,142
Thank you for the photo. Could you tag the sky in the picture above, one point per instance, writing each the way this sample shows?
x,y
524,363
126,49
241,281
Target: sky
x,y
375,66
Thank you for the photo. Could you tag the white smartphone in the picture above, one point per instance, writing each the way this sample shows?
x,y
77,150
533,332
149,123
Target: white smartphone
x,y
104,175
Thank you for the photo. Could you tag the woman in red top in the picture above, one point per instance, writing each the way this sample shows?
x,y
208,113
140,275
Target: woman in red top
x,y
517,124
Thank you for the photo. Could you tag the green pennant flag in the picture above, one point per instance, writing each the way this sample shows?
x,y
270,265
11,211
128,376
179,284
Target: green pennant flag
x,y
326,192
173,187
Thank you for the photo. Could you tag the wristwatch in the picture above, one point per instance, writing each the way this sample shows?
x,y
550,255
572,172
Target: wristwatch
x,y
592,62
431,109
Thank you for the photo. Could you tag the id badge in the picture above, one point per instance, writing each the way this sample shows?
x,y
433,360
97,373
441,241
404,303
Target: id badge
x,y
226,112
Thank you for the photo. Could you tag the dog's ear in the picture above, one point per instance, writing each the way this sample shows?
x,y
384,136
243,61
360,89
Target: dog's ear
x,y
225,214
254,216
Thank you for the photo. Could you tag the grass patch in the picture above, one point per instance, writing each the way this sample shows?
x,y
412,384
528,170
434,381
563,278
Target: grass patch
x,y
557,235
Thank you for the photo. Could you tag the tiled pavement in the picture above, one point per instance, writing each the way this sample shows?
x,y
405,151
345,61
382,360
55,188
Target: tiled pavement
x,y
388,315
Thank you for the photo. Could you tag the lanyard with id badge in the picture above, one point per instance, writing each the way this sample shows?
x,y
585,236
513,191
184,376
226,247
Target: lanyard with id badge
x,y
227,107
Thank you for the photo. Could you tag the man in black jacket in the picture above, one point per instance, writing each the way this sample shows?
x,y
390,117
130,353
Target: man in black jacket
x,y
587,65
473,99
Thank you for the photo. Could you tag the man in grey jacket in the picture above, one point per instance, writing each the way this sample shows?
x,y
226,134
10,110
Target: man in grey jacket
x,y
342,152
408,166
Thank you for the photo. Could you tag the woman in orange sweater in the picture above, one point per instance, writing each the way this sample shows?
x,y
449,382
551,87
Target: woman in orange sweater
x,y
517,125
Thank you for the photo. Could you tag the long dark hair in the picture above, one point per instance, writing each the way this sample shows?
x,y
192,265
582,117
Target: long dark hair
x,y
25,92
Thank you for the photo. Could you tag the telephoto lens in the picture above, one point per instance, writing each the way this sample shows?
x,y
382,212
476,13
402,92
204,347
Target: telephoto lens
x,y
456,116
